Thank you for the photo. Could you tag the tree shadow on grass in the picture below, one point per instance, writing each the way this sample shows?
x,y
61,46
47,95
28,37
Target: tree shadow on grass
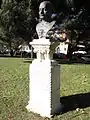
x,y
71,62
75,101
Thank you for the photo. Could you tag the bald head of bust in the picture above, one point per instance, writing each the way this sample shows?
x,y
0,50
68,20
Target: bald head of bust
x,y
46,10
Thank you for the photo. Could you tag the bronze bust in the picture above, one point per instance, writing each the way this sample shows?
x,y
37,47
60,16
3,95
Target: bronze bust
x,y
47,27
46,22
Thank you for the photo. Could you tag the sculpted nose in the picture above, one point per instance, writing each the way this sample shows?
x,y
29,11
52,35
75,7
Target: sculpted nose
x,y
42,11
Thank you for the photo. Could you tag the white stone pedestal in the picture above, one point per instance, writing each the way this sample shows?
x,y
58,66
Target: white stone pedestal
x,y
44,87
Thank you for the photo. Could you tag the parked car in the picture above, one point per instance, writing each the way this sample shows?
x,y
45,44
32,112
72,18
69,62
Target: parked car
x,y
79,52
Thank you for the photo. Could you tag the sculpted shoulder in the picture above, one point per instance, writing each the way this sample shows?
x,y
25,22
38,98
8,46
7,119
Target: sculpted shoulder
x,y
43,28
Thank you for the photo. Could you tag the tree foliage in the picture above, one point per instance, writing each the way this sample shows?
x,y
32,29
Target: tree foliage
x,y
18,21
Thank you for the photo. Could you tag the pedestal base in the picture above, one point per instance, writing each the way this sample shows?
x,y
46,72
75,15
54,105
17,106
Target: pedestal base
x,y
44,88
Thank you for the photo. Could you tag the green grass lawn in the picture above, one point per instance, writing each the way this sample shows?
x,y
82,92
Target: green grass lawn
x,y
14,91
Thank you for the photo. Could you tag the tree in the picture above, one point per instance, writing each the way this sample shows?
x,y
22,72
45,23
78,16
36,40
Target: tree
x,y
18,21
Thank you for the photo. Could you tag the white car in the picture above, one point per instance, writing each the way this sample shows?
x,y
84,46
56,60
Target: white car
x,y
79,52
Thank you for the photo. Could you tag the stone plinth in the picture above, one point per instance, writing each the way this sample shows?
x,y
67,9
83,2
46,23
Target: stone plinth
x,y
44,88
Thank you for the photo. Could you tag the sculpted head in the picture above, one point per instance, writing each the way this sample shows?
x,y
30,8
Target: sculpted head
x,y
45,10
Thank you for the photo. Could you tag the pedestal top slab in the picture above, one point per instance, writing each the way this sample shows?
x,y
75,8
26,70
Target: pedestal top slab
x,y
41,41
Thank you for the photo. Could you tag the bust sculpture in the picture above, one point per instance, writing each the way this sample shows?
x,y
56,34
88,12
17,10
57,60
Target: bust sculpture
x,y
47,27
